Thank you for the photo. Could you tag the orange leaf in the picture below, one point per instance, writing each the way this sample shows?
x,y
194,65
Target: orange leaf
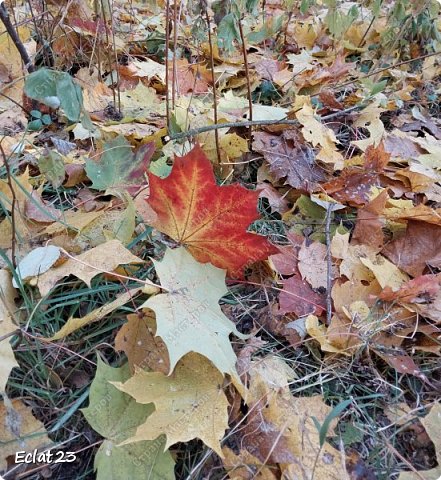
x,y
211,221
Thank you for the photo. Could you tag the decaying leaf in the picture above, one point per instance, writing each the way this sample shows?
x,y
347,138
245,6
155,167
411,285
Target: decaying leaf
x,y
289,159
20,430
143,349
280,428
431,423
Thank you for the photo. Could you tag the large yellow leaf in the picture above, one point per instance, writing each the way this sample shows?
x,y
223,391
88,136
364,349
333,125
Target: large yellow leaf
x,y
188,317
189,404
7,308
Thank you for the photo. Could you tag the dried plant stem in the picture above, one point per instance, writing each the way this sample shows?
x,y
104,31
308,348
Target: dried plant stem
x,y
118,89
109,58
247,75
14,201
328,264
254,123
167,80
213,80
175,45
4,17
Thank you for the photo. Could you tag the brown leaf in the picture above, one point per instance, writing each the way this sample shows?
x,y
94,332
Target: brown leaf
x,y
285,262
352,186
417,248
275,199
289,160
143,349
312,264
400,361
370,222
299,298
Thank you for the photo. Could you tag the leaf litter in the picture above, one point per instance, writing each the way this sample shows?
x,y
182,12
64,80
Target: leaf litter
x,y
250,301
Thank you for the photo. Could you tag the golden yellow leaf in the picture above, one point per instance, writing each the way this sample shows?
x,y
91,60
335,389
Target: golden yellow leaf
x,y
319,332
386,273
7,309
189,404
316,133
104,258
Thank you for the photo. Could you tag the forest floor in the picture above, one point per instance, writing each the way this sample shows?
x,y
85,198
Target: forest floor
x,y
265,297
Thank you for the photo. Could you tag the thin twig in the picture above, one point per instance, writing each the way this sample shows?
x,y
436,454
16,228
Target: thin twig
x,y
213,80
14,200
167,40
109,58
175,46
4,17
254,123
328,264
118,87
247,76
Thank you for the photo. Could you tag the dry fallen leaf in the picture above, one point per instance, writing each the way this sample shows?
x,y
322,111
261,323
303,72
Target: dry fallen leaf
x,y
20,430
189,404
104,258
7,326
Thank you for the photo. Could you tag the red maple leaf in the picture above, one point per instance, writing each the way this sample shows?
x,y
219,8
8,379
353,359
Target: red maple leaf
x,y
211,221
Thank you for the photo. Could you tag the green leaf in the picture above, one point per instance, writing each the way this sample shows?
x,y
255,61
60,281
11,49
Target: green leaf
x,y
116,416
335,412
125,225
35,125
55,89
378,87
189,318
228,32
51,165
41,84
118,166
36,113
70,96
46,119
160,167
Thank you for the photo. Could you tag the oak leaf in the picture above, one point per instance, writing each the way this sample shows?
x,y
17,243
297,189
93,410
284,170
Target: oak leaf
x,y
188,316
189,404
211,221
